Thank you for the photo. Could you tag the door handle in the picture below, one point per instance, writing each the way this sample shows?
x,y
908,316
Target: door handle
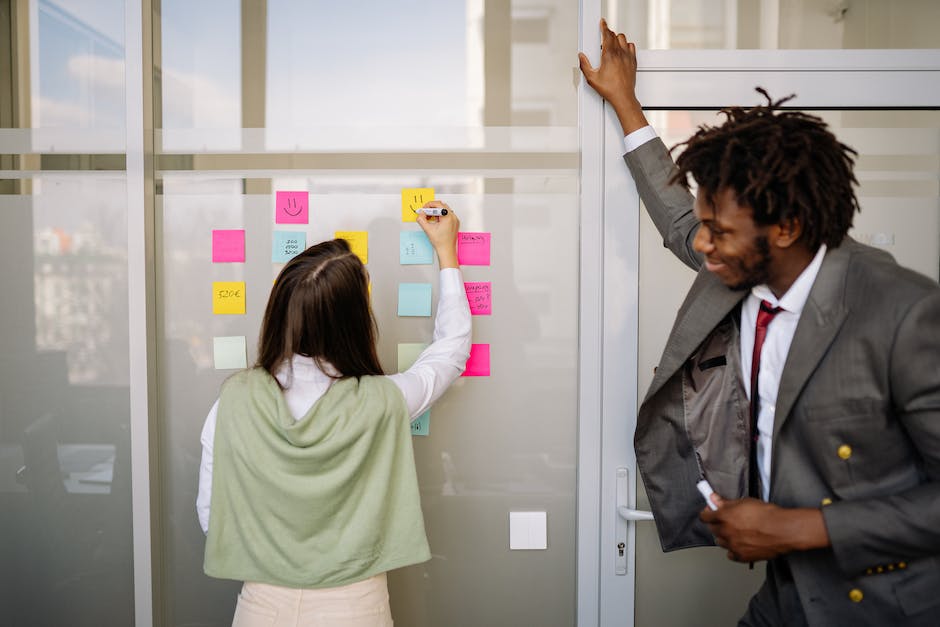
x,y
634,514
624,516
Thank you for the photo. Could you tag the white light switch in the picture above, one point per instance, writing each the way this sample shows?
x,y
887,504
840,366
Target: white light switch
x,y
528,530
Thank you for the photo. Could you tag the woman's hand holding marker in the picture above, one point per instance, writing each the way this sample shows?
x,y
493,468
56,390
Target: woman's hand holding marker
x,y
441,226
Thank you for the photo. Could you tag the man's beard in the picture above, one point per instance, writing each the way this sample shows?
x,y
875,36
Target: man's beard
x,y
758,271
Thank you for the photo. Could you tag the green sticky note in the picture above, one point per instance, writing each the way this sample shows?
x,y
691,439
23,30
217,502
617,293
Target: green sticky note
x,y
408,353
422,424
414,299
229,352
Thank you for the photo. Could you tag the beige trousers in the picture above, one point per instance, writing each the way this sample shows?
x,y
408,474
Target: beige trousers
x,y
360,604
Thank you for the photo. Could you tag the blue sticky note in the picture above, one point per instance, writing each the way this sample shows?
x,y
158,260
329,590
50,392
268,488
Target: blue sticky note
x,y
414,248
422,424
414,299
287,245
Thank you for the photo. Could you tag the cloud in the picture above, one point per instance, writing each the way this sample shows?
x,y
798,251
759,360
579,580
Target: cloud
x,y
102,72
58,113
93,98
189,100
196,101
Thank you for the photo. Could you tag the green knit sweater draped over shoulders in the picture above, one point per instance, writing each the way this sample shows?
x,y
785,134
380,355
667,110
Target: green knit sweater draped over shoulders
x,y
323,501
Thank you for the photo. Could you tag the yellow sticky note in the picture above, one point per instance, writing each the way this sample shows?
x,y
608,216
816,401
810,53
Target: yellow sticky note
x,y
358,241
228,297
412,199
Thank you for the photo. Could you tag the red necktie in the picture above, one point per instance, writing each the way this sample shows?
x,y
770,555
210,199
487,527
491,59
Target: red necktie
x,y
765,314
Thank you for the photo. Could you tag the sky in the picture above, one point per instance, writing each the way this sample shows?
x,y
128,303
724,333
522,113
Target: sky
x,y
392,63
328,63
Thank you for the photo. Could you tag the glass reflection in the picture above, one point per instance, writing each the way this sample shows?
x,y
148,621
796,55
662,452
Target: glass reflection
x,y
65,510
199,70
80,280
777,24
396,64
404,76
78,81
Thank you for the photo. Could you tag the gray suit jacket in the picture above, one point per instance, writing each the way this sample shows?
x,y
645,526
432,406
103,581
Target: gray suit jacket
x,y
857,428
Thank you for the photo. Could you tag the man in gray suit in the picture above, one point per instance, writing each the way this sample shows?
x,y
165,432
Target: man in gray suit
x,y
830,470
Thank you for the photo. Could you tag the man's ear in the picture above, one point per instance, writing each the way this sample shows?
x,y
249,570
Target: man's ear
x,y
787,233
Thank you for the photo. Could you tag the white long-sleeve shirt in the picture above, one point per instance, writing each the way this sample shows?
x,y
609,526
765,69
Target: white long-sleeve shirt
x,y
424,382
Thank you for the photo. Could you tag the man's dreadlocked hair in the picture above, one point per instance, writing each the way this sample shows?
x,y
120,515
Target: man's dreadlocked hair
x,y
781,164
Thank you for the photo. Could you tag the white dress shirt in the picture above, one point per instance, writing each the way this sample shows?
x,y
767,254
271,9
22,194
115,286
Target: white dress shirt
x,y
773,354
424,382
637,138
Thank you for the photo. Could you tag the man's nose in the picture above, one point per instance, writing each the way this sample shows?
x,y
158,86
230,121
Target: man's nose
x,y
702,242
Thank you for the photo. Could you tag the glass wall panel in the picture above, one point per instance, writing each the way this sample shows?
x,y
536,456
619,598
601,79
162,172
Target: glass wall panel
x,y
198,94
65,497
898,169
80,72
474,99
777,24
325,68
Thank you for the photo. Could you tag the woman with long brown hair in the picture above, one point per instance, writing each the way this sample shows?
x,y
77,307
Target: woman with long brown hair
x,y
307,465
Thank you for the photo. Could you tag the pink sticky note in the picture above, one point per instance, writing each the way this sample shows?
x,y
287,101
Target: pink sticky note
x,y
473,249
291,207
479,363
480,297
228,246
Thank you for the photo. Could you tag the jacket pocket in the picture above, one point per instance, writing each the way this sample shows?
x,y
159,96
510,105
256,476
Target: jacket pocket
x,y
920,591
844,409
858,453
712,362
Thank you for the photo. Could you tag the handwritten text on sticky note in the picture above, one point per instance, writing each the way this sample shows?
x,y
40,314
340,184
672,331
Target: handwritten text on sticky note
x,y
229,352
414,247
358,242
228,297
412,199
287,245
414,299
422,424
479,363
291,207
228,245
473,249
479,295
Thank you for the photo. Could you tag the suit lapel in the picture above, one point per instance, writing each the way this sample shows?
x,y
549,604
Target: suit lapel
x,y
707,304
822,317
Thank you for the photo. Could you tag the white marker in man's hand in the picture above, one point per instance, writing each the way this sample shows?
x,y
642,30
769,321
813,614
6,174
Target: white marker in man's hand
x,y
706,489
